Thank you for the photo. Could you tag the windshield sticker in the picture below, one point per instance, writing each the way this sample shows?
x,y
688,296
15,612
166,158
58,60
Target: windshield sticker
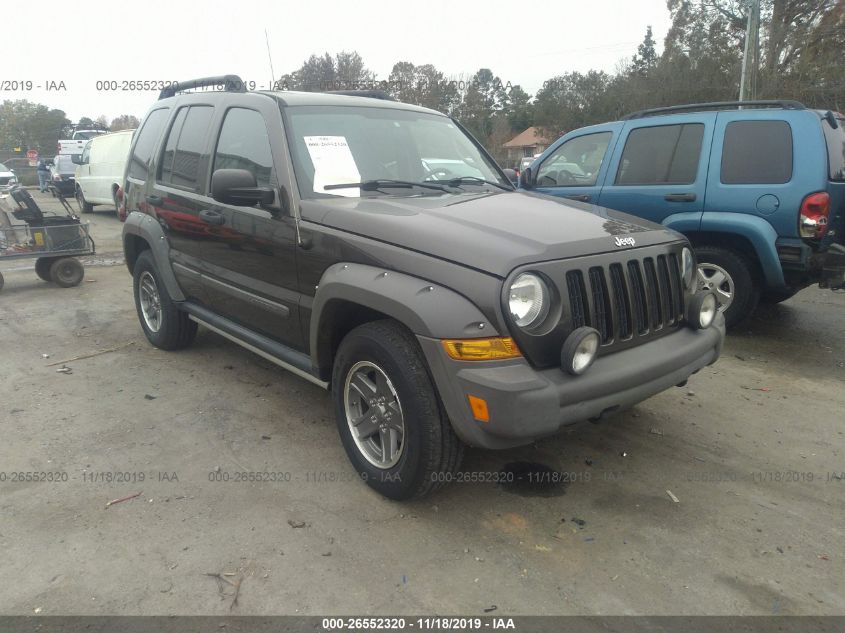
x,y
333,164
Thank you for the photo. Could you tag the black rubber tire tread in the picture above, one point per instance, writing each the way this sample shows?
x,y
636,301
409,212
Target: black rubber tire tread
x,y
66,272
390,345
85,207
745,278
177,331
42,267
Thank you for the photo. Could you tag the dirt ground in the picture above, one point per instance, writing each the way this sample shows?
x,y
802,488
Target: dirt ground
x,y
752,449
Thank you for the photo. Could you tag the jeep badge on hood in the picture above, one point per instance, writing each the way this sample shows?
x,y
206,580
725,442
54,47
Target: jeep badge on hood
x,y
625,241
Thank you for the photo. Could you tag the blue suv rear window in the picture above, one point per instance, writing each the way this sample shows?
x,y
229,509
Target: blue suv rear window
x,y
835,137
757,153
661,154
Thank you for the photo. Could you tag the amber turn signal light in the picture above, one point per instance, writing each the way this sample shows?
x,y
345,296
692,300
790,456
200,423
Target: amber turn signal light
x,y
479,408
498,348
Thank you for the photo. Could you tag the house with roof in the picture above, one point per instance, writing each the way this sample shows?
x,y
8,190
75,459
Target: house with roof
x,y
529,142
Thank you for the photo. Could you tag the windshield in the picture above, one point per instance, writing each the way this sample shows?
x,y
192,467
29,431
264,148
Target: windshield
x,y
334,145
4,168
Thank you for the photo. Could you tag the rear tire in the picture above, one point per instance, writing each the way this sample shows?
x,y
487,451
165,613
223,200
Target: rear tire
x,y
84,207
42,267
732,277
383,360
66,272
164,324
2,281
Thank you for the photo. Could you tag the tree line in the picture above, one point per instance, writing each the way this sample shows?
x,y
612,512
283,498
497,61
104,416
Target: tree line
x,y
26,125
800,57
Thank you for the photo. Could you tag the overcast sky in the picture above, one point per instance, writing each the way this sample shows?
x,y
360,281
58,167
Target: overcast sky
x,y
523,43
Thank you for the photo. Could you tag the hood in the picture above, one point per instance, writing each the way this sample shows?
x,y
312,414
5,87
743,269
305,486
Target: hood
x,y
491,232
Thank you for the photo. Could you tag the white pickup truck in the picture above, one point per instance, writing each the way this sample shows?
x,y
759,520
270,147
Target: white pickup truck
x,y
76,143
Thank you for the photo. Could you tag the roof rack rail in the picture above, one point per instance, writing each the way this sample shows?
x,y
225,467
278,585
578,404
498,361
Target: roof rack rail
x,y
372,94
716,105
230,83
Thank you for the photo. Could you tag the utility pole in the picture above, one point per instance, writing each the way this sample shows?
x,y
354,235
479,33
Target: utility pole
x,y
751,54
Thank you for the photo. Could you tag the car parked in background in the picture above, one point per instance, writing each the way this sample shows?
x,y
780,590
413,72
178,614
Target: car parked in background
x,y
524,162
757,187
100,171
7,177
78,139
62,174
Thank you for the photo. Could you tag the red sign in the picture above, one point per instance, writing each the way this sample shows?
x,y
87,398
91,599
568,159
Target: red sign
x,y
32,154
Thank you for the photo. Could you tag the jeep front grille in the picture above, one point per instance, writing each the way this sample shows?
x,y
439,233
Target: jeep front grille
x,y
648,298
629,296
577,298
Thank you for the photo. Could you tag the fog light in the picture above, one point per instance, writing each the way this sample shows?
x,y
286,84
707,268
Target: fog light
x,y
579,350
702,310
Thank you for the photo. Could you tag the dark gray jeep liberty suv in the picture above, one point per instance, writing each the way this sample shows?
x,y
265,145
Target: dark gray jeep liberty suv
x,y
375,248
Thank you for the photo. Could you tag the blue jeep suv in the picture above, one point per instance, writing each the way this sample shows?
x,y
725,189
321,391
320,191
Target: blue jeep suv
x,y
758,188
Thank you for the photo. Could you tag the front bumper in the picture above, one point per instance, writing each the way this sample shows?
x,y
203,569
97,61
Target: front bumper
x,y
526,403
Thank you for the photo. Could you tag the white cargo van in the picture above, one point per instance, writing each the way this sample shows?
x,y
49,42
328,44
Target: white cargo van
x,y
100,169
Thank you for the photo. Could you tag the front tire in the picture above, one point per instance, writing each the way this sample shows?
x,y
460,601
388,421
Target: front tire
x,y
164,324
388,414
732,278
84,207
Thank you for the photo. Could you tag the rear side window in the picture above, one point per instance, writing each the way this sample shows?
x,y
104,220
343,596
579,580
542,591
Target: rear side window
x,y
139,163
185,145
835,148
757,153
661,155
244,144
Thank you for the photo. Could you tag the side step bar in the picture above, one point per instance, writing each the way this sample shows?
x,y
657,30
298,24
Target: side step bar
x,y
283,356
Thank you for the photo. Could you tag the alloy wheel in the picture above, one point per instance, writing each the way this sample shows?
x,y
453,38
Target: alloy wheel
x,y
716,279
374,414
150,301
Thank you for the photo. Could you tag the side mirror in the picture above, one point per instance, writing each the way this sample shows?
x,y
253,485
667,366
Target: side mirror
x,y
526,178
512,176
239,187
76,159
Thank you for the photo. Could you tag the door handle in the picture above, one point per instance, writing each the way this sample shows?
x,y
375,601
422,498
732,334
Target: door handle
x,y
679,197
212,217
156,201
583,197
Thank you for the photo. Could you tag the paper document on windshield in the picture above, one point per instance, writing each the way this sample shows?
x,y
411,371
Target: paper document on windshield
x,y
333,164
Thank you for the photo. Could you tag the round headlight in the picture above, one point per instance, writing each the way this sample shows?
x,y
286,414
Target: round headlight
x,y
702,310
687,268
528,300
579,350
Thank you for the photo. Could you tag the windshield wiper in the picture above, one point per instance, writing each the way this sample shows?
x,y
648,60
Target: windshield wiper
x,y
374,185
457,182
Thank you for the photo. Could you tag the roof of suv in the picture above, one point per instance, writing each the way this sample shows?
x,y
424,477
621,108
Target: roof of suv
x,y
294,98
233,84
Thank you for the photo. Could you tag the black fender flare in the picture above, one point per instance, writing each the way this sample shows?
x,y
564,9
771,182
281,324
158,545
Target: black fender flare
x,y
425,308
148,229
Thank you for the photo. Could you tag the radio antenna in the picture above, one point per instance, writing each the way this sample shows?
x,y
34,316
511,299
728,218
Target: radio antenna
x,y
270,57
